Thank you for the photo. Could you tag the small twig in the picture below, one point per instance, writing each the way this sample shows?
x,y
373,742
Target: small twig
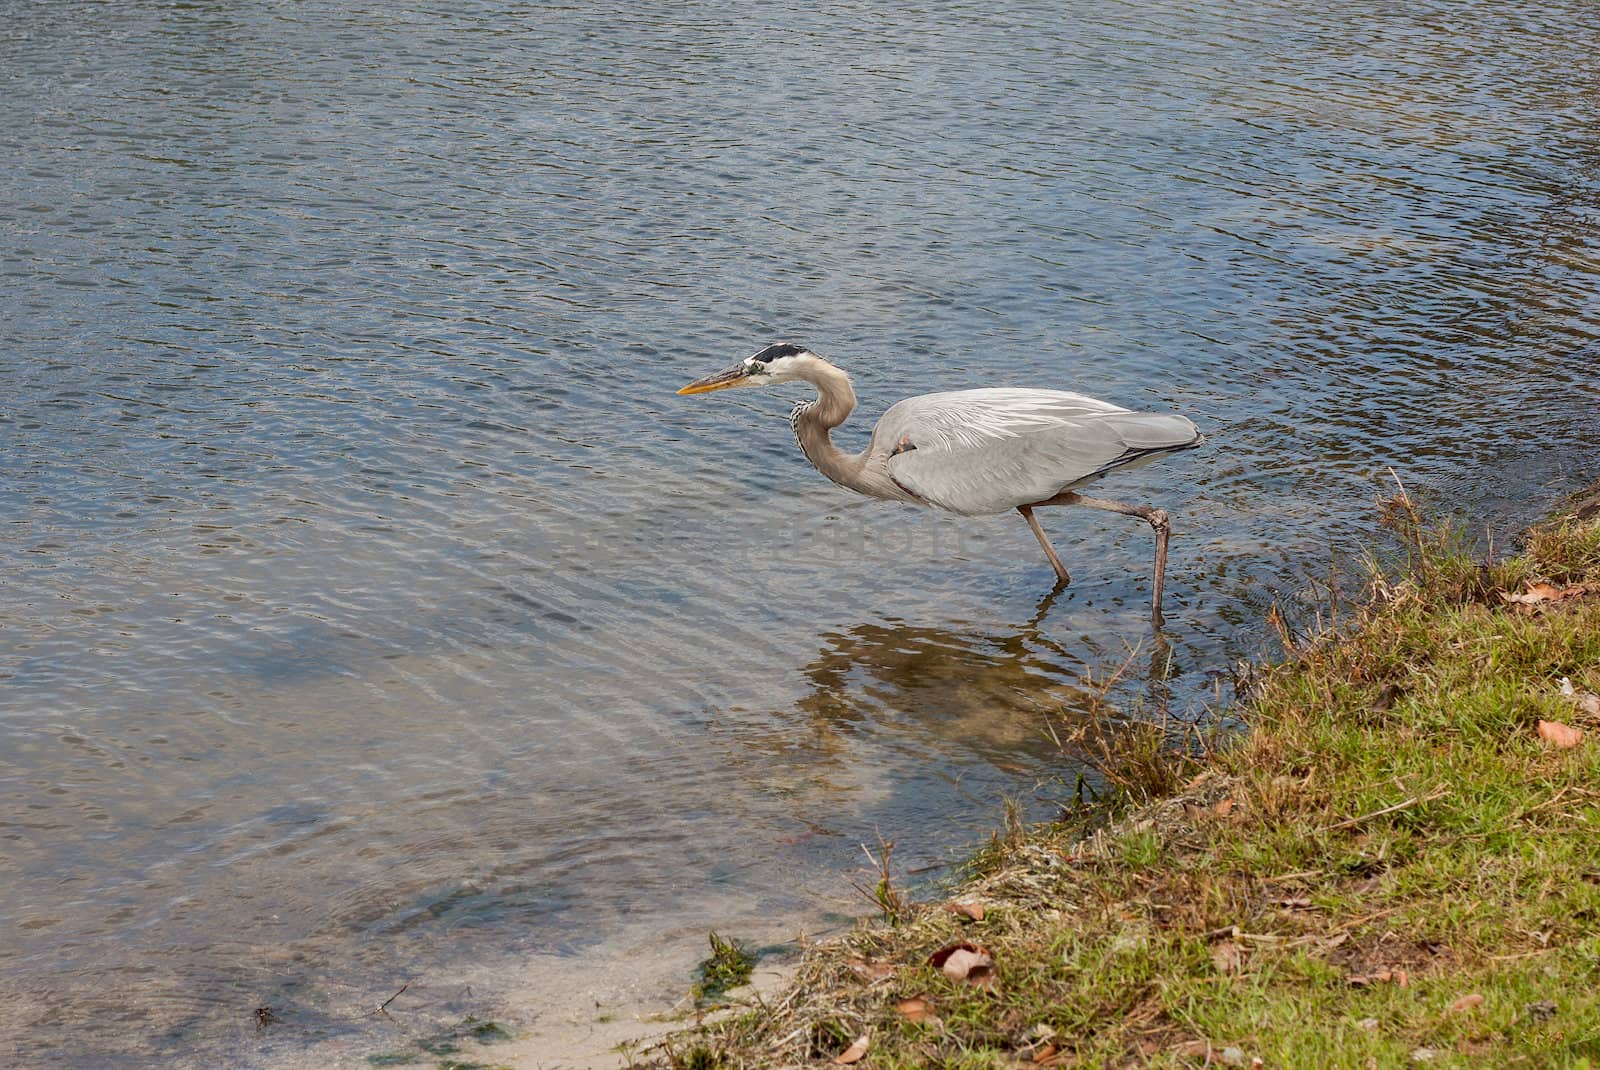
x,y
1376,813
1522,954
1365,918
394,997
1414,800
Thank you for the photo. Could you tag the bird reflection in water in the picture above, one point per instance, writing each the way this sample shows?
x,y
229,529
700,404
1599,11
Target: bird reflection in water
x,y
1004,695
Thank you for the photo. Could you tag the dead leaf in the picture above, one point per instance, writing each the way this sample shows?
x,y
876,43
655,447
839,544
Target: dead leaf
x,y
1471,1001
1387,694
855,1052
870,971
915,1009
1587,701
1044,1054
1227,957
1224,808
938,958
973,967
1541,592
1191,1049
1559,735
970,910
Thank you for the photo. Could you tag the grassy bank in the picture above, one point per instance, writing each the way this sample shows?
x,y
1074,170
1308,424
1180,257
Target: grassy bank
x,y
1397,864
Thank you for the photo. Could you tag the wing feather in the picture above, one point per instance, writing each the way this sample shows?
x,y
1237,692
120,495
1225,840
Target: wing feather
x,y
987,451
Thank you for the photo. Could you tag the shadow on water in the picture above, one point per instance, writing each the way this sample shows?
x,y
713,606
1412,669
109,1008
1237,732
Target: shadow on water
x,y
994,693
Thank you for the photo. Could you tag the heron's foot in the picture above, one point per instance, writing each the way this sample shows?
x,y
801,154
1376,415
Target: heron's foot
x,y
1063,579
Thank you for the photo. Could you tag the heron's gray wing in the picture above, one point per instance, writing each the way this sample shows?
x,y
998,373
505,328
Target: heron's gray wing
x,y
987,451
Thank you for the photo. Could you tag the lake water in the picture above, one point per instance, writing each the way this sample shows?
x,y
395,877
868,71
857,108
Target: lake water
x,y
374,613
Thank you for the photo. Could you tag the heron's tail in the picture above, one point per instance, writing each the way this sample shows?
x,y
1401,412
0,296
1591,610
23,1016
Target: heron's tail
x,y
1148,436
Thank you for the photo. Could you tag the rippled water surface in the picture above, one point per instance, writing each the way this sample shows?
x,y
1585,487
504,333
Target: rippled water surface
x,y
374,612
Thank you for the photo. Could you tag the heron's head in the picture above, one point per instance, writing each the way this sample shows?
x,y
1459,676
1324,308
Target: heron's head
x,y
780,363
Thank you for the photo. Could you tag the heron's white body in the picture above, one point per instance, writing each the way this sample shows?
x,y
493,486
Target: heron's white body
x,y
974,452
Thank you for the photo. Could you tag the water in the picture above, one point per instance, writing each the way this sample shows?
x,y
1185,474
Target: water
x,y
373,611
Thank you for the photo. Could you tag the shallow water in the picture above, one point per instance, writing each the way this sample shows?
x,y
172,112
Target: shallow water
x,y
373,610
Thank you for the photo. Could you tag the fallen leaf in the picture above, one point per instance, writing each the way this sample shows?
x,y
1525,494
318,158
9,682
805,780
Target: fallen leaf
x,y
855,1052
1224,808
1227,957
1423,1055
870,971
1587,701
915,1009
1369,1024
970,910
1044,1054
1468,1002
937,959
1541,1010
1541,592
1559,735
1387,694
974,967
1192,1049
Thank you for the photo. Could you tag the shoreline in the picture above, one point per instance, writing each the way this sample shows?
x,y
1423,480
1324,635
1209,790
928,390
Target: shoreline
x,y
1318,891
859,982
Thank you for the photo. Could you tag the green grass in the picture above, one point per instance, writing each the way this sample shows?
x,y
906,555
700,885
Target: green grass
x,y
729,965
1389,868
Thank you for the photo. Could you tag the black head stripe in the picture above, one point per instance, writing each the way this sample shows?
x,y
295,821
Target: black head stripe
x,y
781,349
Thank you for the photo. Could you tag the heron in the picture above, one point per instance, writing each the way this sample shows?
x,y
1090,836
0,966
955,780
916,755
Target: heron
x,y
974,452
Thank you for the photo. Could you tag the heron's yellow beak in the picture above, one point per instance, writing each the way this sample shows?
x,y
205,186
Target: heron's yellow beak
x,y
734,376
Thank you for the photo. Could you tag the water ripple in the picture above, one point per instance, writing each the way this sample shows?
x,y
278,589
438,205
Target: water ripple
x,y
372,605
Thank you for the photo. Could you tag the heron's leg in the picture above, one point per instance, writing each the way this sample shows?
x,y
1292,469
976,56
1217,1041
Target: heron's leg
x,y
1049,551
1156,518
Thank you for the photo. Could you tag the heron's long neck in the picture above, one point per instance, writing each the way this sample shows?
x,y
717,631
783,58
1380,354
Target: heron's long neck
x,y
814,419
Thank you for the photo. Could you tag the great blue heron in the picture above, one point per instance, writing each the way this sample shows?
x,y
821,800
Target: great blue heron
x,y
973,452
